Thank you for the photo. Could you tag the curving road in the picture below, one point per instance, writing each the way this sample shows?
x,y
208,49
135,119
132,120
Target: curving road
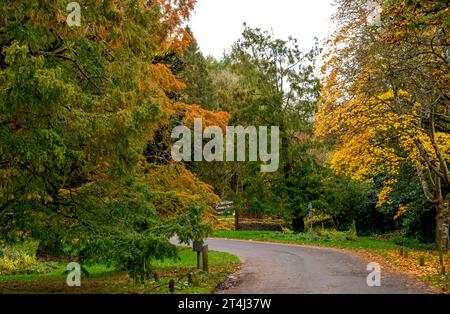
x,y
290,269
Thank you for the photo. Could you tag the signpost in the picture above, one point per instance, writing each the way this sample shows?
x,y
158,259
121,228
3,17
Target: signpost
x,y
224,206
205,258
310,219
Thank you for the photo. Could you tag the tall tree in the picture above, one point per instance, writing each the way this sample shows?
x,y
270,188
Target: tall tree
x,y
78,106
266,81
385,97
197,77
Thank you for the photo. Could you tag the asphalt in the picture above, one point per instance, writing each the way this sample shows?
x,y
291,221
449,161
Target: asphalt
x,y
269,268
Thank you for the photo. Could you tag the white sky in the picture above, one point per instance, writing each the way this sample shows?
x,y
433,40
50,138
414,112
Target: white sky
x,y
217,24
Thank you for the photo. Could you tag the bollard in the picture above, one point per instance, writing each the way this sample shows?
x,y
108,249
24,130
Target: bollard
x,y
441,262
205,258
172,286
422,261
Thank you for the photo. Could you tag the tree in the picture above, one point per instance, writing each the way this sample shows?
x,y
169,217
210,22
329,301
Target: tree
x,y
78,106
197,77
385,97
266,81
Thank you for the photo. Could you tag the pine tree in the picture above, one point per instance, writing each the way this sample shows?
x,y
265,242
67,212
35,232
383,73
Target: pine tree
x,y
78,106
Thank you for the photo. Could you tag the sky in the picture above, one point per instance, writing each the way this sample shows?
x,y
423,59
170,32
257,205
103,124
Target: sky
x,y
217,24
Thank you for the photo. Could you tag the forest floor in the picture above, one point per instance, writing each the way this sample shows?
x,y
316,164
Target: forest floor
x,y
379,249
103,279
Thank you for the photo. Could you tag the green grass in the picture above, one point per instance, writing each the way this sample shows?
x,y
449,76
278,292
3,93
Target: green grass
x,y
188,258
103,279
57,272
332,238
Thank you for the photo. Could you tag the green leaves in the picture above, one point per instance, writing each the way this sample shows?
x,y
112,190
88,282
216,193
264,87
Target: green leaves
x,y
78,106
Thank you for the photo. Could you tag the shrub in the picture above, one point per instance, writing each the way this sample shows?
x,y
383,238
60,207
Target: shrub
x,y
330,235
351,234
20,259
286,230
412,243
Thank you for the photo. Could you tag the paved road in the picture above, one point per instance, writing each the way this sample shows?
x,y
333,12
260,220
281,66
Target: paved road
x,y
280,268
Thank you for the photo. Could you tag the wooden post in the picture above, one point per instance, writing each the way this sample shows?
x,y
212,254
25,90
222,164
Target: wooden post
x,y
198,260
311,219
172,286
441,262
422,260
236,190
205,258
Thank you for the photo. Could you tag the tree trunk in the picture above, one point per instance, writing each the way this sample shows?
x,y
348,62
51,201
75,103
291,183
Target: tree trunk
x,y
442,225
442,230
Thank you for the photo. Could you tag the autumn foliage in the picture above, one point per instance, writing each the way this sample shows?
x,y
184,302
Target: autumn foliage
x,y
385,99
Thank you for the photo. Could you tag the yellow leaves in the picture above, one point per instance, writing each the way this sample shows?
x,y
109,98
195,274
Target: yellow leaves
x,y
177,188
443,141
416,156
401,211
371,132
387,96
411,265
31,197
353,157
383,196
404,94
64,191
35,197
18,264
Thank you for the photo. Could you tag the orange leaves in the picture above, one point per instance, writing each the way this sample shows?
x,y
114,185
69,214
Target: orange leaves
x,y
209,118
164,78
177,188
174,14
182,40
411,265
391,260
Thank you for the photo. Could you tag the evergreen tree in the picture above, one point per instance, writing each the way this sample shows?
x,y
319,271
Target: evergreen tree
x,y
78,105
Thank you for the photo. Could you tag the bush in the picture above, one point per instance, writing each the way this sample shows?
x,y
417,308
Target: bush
x,y
413,243
331,235
20,259
352,235
286,230
419,222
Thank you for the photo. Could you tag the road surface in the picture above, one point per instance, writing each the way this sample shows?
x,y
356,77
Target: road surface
x,y
289,269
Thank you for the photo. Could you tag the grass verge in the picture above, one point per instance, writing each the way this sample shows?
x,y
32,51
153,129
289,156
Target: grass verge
x,y
103,279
